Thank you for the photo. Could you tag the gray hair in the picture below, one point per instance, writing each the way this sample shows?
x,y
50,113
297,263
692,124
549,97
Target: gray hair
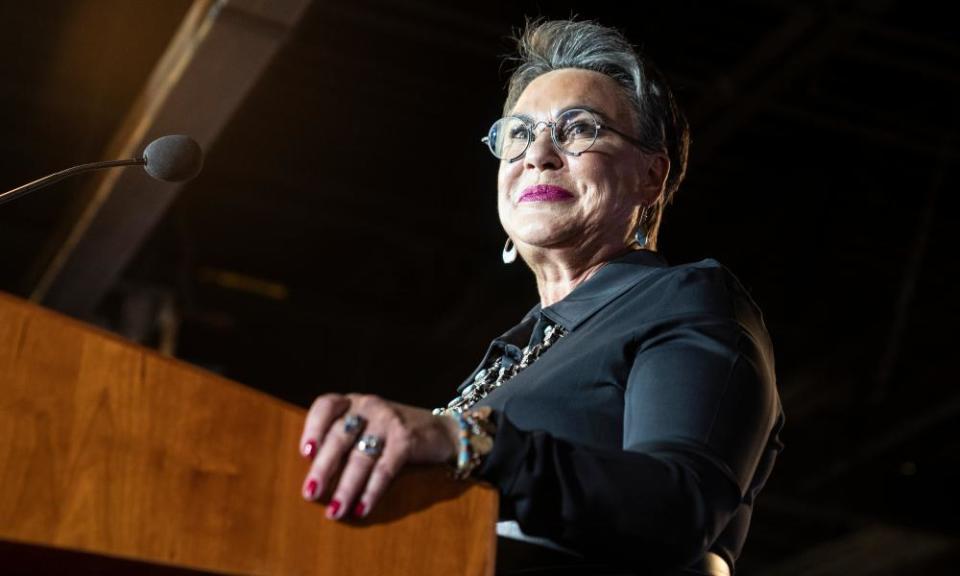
x,y
546,46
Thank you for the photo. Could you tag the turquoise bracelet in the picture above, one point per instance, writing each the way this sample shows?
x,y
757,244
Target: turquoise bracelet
x,y
474,440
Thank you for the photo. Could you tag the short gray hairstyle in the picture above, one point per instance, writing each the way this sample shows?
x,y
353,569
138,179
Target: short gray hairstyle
x,y
545,46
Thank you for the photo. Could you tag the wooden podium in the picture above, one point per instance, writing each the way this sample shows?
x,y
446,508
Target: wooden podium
x,y
114,460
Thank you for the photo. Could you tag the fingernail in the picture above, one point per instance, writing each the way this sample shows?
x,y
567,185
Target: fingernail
x,y
309,449
359,509
310,490
333,508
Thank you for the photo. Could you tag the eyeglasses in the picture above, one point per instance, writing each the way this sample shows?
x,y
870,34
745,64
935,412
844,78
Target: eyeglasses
x,y
573,133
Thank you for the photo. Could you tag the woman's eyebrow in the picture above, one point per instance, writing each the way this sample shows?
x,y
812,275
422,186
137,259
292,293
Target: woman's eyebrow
x,y
591,109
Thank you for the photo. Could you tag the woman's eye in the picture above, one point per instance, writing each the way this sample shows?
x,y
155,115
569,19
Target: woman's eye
x,y
577,130
518,133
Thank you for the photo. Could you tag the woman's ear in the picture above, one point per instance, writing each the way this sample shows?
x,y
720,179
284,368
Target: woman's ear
x,y
654,178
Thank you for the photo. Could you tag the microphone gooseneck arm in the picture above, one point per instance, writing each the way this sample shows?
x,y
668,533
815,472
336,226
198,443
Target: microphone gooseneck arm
x,y
171,158
57,176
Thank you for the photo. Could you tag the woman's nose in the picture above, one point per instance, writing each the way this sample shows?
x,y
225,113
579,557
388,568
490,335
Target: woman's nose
x,y
542,154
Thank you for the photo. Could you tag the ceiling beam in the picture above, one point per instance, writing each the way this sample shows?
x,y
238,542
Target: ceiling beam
x,y
802,42
213,61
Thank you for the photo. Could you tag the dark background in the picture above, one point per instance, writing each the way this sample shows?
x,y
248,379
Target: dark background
x,y
343,234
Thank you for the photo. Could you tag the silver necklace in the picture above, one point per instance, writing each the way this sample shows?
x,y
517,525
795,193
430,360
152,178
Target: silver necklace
x,y
489,379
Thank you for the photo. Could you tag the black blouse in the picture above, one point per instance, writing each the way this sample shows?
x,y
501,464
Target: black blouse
x,y
643,435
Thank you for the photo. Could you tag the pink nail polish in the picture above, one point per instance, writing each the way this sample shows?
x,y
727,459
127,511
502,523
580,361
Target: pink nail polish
x,y
333,508
310,490
309,449
359,509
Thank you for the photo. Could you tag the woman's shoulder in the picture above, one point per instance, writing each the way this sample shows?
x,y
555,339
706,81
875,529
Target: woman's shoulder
x,y
701,287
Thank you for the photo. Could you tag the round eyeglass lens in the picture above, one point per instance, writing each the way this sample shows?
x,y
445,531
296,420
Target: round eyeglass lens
x,y
575,131
508,137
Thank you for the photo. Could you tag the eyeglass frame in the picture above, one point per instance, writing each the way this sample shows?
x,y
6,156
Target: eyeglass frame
x,y
534,126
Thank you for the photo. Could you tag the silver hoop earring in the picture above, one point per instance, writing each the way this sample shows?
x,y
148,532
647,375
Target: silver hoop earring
x,y
640,235
509,252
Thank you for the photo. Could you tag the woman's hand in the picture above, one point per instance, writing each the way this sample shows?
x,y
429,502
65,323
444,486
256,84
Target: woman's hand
x,y
407,435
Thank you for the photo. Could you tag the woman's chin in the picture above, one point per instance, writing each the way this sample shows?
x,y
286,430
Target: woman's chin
x,y
557,242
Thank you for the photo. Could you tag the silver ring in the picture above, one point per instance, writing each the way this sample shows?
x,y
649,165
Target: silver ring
x,y
370,445
353,423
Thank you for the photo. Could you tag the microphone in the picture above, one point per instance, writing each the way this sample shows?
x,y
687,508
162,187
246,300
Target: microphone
x,y
174,158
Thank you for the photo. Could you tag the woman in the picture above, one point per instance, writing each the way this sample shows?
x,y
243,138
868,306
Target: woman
x,y
631,418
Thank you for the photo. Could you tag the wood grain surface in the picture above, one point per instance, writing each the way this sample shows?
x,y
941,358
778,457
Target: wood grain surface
x,y
109,449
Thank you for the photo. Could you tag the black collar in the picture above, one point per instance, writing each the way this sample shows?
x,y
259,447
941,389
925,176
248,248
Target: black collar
x,y
609,282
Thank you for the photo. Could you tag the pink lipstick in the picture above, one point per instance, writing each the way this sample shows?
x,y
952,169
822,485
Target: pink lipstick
x,y
544,193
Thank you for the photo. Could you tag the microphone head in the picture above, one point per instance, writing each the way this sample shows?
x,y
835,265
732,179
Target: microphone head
x,y
174,158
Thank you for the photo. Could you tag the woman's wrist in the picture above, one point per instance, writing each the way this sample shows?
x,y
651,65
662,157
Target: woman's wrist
x,y
451,431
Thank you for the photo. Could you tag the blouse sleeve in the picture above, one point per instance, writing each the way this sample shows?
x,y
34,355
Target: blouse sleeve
x,y
699,406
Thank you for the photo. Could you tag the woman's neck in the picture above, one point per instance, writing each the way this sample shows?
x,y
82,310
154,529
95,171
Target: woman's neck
x,y
559,272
